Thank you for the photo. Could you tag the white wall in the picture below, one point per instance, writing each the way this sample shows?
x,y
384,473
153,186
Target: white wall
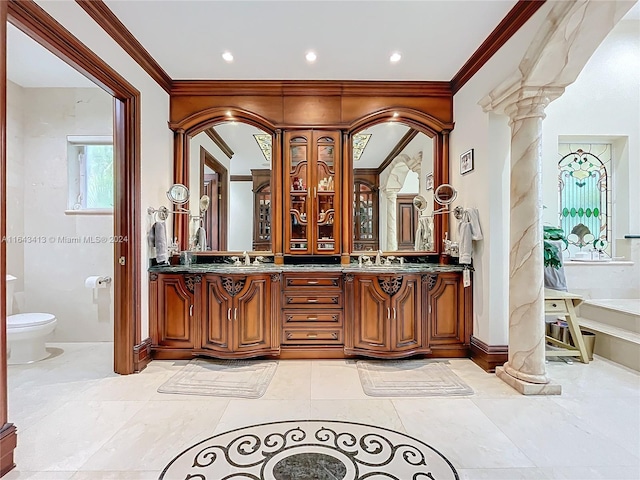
x,y
156,138
54,270
486,187
602,105
15,187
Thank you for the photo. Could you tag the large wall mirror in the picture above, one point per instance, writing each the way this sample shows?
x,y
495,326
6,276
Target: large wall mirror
x,y
231,163
393,173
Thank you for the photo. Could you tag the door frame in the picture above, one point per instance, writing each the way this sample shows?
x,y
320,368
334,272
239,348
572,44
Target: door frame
x,y
206,158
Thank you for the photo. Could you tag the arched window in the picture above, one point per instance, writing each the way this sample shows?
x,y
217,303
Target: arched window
x,y
585,196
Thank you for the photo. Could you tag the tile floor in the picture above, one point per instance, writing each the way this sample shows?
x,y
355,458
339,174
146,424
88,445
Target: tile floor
x,y
78,420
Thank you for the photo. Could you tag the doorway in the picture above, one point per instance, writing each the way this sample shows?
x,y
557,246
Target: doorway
x,y
215,185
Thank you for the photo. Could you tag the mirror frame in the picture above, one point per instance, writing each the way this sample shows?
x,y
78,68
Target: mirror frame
x,y
424,123
190,126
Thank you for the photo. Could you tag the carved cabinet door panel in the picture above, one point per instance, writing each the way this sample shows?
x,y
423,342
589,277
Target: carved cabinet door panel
x,y
371,314
175,310
217,320
406,315
446,302
252,315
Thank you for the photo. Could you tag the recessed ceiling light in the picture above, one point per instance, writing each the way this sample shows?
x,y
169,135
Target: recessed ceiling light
x,y
395,57
311,57
228,57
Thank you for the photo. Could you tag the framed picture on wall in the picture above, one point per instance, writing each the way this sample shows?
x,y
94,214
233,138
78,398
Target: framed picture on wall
x,y
429,183
466,162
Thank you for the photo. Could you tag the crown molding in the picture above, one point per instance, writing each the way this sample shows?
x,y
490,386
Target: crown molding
x,y
291,88
510,24
104,17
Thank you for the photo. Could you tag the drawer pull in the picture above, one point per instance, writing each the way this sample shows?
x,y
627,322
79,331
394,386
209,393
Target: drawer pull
x,y
312,282
312,335
312,300
554,304
312,318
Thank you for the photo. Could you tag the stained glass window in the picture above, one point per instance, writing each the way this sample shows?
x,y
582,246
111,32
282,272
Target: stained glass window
x,y
584,177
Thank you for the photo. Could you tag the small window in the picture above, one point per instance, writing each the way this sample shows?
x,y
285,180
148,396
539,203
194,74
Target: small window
x,y
90,169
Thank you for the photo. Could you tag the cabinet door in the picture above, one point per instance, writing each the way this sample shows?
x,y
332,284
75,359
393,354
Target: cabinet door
x,y
372,314
217,319
175,310
406,315
326,161
446,310
252,315
297,194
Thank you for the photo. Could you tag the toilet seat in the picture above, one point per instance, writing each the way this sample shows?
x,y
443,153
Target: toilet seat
x,y
22,320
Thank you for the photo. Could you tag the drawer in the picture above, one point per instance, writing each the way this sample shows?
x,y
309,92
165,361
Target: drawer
x,y
300,300
327,318
554,306
310,336
332,281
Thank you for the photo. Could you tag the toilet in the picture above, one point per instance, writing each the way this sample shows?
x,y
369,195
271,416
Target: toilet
x,y
26,332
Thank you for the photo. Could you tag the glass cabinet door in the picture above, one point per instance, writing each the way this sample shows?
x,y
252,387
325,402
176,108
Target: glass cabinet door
x,y
312,160
298,231
325,194
365,218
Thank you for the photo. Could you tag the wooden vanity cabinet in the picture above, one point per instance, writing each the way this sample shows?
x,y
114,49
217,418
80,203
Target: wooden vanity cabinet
x,y
174,310
236,318
387,315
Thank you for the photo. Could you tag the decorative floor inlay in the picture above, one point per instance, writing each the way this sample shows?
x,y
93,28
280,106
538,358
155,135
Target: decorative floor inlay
x,y
409,378
222,378
310,450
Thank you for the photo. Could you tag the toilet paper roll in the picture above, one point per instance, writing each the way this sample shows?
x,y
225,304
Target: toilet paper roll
x,y
95,281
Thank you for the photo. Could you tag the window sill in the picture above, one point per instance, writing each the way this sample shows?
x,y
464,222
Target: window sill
x,y
90,211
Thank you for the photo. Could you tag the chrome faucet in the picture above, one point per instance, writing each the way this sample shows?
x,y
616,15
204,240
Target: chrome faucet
x,y
256,261
236,261
247,258
378,257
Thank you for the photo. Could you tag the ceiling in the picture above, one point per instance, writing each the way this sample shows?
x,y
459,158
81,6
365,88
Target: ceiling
x,y
353,39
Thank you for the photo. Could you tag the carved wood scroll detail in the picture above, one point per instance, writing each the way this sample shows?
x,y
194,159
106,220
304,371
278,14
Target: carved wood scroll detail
x,y
430,280
390,285
348,277
233,287
153,277
191,280
275,277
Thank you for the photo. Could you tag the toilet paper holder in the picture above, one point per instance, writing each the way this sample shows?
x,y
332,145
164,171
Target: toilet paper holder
x,y
97,281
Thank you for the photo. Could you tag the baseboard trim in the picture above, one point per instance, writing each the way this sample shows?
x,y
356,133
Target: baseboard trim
x,y
8,443
488,357
142,355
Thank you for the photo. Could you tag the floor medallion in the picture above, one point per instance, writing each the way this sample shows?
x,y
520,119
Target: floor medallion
x,y
310,450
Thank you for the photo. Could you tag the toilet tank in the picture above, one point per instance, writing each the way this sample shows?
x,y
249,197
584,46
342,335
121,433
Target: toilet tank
x,y
11,285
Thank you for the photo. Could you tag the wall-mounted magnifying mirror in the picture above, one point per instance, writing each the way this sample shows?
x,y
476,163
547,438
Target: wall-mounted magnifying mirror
x,y
178,194
230,163
392,164
445,194
420,203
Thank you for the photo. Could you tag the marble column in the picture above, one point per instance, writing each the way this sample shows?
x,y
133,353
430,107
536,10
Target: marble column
x,y
525,370
392,234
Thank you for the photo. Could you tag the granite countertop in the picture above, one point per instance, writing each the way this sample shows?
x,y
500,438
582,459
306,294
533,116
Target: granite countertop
x,y
271,268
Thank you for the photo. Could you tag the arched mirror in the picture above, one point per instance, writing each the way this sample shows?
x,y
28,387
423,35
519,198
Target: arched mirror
x,y
230,162
393,163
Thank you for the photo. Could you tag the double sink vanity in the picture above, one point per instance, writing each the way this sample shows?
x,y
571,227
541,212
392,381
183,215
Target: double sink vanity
x,y
309,311
315,177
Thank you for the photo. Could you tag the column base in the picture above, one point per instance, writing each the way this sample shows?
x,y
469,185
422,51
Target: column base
x,y
526,388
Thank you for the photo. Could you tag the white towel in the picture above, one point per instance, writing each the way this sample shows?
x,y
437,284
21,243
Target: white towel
x,y
201,239
158,239
423,235
468,230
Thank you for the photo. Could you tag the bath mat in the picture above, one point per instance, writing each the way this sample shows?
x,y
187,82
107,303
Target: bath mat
x,y
311,449
222,378
409,378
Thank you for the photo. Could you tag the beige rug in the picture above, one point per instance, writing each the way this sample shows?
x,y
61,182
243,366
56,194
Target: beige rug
x,y
409,378
222,378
